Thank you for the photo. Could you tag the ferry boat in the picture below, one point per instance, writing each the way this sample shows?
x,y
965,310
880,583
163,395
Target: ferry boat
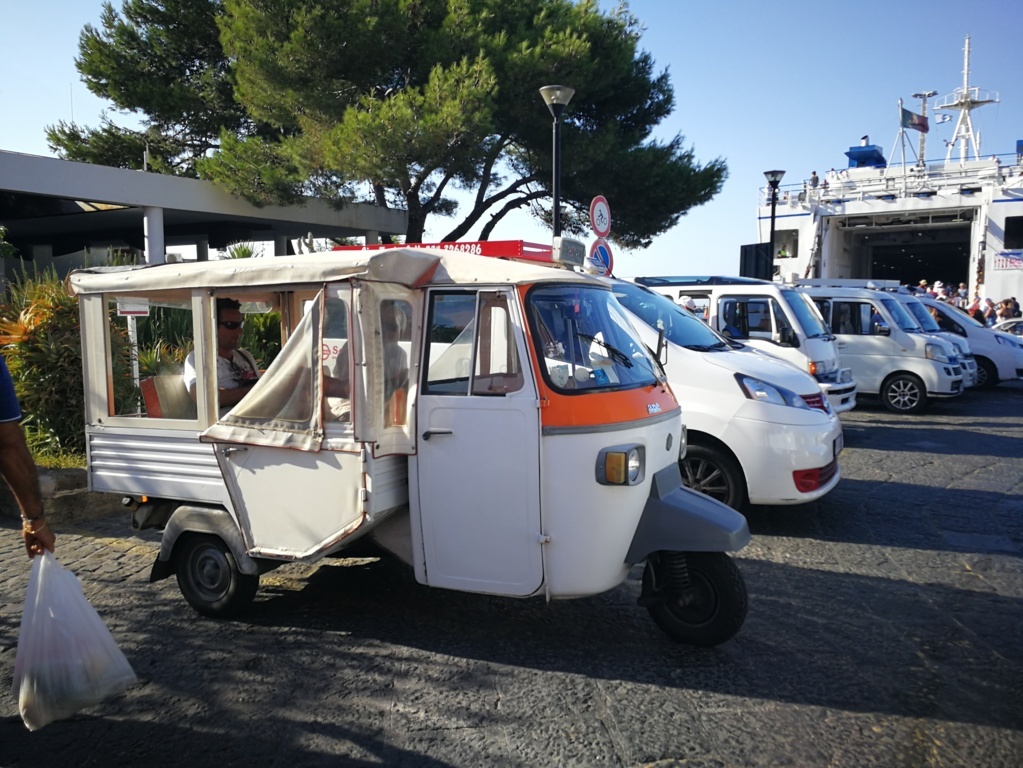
x,y
957,221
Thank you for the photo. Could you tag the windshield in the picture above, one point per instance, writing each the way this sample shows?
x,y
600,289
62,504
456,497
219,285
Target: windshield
x,y
900,315
661,313
806,313
585,340
922,316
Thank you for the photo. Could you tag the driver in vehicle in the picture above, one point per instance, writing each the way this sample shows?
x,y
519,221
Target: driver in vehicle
x,y
237,370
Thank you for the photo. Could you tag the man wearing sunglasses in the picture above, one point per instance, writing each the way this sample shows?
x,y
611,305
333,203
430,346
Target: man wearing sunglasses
x,y
236,367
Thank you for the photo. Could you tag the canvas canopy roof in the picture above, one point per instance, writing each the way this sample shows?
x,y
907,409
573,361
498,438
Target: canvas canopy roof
x,y
411,267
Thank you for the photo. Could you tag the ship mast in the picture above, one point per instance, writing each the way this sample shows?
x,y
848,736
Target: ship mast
x,y
965,99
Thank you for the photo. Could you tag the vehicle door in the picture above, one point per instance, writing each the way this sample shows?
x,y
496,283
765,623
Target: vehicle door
x,y
863,336
294,471
475,480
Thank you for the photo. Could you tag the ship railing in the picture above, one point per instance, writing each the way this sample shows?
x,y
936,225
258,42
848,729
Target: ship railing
x,y
897,181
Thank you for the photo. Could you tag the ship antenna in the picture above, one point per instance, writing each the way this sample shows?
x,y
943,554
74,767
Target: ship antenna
x,y
965,99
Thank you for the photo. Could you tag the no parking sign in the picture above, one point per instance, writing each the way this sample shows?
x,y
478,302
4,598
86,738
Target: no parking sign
x,y
600,261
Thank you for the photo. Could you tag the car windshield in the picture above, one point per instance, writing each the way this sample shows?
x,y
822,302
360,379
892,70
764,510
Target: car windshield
x,y
921,315
586,340
959,316
900,315
806,313
661,313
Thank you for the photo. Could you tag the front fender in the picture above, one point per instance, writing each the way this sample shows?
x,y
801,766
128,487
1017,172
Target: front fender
x,y
680,520
201,520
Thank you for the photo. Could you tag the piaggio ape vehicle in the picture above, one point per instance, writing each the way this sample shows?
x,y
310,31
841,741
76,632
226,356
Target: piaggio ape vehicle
x,y
500,428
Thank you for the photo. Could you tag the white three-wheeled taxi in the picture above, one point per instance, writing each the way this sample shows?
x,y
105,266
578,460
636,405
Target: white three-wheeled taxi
x,y
497,425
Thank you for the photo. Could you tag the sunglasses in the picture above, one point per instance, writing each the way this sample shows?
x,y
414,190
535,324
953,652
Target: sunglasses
x,y
231,325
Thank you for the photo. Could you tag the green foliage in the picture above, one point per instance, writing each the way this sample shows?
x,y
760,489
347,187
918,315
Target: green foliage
x,y
397,102
6,249
160,59
262,336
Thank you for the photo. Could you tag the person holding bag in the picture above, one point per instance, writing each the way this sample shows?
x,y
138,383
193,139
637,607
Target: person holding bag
x,y
19,470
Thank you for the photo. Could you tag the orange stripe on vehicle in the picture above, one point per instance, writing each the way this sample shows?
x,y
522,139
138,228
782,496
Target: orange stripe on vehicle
x,y
587,409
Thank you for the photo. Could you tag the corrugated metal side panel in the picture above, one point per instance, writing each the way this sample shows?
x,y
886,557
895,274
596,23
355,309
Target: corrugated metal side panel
x,y
387,483
160,463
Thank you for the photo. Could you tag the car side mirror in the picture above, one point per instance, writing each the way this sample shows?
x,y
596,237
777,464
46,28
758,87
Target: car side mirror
x,y
882,329
788,337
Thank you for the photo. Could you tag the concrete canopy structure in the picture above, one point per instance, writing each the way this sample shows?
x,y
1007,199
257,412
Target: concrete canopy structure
x,y
56,211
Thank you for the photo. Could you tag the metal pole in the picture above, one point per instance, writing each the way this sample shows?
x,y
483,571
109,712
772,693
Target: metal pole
x,y
556,186
774,204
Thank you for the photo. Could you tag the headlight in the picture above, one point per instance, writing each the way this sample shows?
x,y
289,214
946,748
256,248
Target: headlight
x,y
936,352
1006,340
755,389
621,465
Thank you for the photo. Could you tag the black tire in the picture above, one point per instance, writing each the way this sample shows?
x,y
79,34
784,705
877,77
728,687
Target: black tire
x,y
713,609
209,578
904,393
987,373
713,472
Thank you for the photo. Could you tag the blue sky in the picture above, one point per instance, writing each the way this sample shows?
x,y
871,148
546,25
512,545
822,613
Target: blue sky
x,y
789,85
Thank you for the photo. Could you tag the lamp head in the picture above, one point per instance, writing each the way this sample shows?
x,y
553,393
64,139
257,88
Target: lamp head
x,y
774,177
556,97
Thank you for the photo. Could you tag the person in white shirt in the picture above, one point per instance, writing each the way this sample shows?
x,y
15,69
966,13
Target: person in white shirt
x,y
237,370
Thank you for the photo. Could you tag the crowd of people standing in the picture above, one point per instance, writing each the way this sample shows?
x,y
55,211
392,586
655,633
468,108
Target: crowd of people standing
x,y
985,311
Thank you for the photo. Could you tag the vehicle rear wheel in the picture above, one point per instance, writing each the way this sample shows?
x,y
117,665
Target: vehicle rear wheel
x,y
904,393
697,598
209,578
711,471
987,373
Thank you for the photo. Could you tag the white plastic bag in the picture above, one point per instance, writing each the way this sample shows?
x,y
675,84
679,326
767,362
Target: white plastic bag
x,y
67,658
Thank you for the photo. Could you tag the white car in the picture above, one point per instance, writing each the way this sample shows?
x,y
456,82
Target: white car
x,y
760,430
999,355
1013,326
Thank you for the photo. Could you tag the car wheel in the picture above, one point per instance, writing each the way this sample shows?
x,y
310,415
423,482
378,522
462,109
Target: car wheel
x,y
209,578
987,373
713,472
904,393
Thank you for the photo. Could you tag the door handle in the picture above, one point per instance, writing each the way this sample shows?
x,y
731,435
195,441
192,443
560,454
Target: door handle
x,y
431,432
232,449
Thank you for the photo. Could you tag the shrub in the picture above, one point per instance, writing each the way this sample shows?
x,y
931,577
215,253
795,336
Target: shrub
x,y
40,336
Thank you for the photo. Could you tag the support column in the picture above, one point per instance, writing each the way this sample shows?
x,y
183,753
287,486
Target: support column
x,y
153,228
280,245
202,249
372,237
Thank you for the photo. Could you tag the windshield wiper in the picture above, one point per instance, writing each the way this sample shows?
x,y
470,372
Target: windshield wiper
x,y
613,352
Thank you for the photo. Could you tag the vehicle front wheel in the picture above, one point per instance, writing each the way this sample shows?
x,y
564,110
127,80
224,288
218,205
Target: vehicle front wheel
x,y
987,373
697,598
713,472
209,578
904,393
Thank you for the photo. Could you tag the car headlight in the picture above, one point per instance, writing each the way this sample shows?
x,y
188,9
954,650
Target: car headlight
x,y
1007,341
936,352
621,465
755,389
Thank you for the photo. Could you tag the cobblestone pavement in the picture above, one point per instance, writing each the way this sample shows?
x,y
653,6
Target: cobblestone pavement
x,y
884,630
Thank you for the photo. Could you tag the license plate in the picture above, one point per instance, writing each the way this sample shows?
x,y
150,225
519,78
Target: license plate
x,y
837,446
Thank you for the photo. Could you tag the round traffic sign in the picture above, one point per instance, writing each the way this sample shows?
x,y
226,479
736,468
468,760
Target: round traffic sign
x,y
600,216
600,261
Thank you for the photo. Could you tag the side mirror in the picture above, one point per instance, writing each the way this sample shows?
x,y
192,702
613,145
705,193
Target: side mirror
x,y
788,337
662,348
882,329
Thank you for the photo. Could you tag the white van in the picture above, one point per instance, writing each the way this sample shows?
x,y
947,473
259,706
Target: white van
x,y
774,318
999,355
929,325
890,356
759,430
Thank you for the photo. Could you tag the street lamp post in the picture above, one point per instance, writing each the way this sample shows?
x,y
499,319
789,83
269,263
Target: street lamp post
x,y
773,179
556,97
